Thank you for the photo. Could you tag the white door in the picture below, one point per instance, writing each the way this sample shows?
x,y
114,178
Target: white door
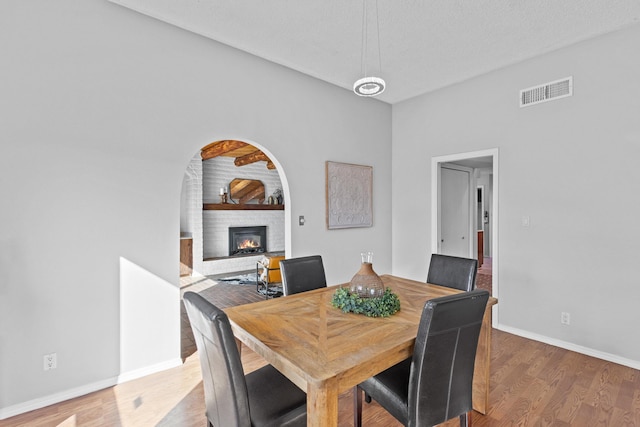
x,y
455,212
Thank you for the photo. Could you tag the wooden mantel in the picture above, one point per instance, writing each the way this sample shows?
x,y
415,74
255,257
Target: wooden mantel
x,y
240,207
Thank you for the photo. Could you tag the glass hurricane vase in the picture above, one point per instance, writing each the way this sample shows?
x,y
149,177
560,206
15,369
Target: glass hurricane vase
x,y
366,283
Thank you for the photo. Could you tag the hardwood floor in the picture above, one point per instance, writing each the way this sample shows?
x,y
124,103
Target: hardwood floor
x,y
532,384
484,277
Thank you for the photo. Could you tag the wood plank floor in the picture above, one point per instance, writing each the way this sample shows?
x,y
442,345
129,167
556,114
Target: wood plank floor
x,y
532,384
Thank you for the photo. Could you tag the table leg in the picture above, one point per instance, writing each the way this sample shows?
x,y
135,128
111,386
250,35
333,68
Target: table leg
x,y
482,369
239,345
322,404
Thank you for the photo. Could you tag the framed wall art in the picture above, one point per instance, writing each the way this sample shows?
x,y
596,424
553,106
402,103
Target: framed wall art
x,y
349,193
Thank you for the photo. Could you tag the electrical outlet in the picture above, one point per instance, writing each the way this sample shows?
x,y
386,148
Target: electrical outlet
x,y
50,361
565,318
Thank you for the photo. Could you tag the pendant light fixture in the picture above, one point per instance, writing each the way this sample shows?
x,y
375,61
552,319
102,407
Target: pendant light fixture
x,y
369,85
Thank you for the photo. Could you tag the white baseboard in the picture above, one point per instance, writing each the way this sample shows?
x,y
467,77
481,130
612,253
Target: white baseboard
x,y
148,370
52,399
635,364
41,402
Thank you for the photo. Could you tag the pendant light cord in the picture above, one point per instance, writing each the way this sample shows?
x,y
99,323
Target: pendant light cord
x,y
369,85
365,38
363,56
378,34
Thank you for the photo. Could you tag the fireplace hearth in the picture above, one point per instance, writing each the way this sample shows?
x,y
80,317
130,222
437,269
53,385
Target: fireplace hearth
x,y
247,240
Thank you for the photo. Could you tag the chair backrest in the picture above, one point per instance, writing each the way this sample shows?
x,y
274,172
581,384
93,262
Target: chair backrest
x,y
225,388
302,274
453,272
441,378
271,273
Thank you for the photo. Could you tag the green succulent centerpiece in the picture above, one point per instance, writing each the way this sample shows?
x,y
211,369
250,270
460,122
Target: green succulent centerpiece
x,y
381,306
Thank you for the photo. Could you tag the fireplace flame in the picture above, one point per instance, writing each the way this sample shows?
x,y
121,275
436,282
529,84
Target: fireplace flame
x,y
248,243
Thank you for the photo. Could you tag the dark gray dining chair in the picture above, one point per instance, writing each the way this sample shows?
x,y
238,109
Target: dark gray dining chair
x,y
302,274
436,384
453,272
263,397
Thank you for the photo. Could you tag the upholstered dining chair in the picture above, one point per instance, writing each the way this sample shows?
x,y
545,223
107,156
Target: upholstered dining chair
x,y
261,398
435,385
302,274
268,276
453,272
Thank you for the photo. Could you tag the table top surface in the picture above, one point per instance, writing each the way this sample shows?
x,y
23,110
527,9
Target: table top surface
x,y
311,342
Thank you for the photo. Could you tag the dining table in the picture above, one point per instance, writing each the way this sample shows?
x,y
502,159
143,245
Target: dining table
x,y
326,352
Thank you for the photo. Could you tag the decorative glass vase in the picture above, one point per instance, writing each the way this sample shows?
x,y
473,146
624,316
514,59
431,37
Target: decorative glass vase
x,y
366,283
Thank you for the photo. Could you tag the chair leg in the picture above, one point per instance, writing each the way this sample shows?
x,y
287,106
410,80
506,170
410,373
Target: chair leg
x,y
367,398
465,419
357,407
258,281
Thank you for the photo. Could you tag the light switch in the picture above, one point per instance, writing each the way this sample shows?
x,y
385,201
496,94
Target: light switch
x,y
525,221
301,220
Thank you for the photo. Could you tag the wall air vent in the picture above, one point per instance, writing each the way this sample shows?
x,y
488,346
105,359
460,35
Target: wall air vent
x,y
546,92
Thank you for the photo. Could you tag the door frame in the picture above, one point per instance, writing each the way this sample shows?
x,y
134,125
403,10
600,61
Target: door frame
x,y
436,162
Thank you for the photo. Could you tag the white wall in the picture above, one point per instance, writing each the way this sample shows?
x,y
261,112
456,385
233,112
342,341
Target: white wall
x,y
570,165
102,110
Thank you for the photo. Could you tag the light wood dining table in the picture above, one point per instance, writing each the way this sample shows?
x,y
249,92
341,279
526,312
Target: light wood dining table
x,y
326,352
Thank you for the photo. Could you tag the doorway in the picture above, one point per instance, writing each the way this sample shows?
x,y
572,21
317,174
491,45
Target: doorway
x,y
483,169
455,231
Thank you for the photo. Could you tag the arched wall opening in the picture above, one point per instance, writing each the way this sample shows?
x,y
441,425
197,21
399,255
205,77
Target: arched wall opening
x,y
204,223
208,228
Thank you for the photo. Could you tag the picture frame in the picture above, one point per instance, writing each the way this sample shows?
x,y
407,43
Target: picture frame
x,y
349,195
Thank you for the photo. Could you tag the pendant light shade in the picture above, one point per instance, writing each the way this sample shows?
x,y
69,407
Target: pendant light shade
x,y
369,86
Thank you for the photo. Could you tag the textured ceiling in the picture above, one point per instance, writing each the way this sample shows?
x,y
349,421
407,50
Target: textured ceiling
x,y
424,45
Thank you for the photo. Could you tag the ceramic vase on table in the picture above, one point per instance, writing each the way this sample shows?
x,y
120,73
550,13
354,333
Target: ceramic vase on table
x,y
366,283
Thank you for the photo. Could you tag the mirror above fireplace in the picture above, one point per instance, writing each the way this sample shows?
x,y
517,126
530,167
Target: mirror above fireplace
x,y
245,191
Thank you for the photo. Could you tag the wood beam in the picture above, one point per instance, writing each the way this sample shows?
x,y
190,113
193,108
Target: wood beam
x,y
220,147
247,159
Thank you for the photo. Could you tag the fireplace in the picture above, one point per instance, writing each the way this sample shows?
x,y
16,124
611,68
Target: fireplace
x,y
247,240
